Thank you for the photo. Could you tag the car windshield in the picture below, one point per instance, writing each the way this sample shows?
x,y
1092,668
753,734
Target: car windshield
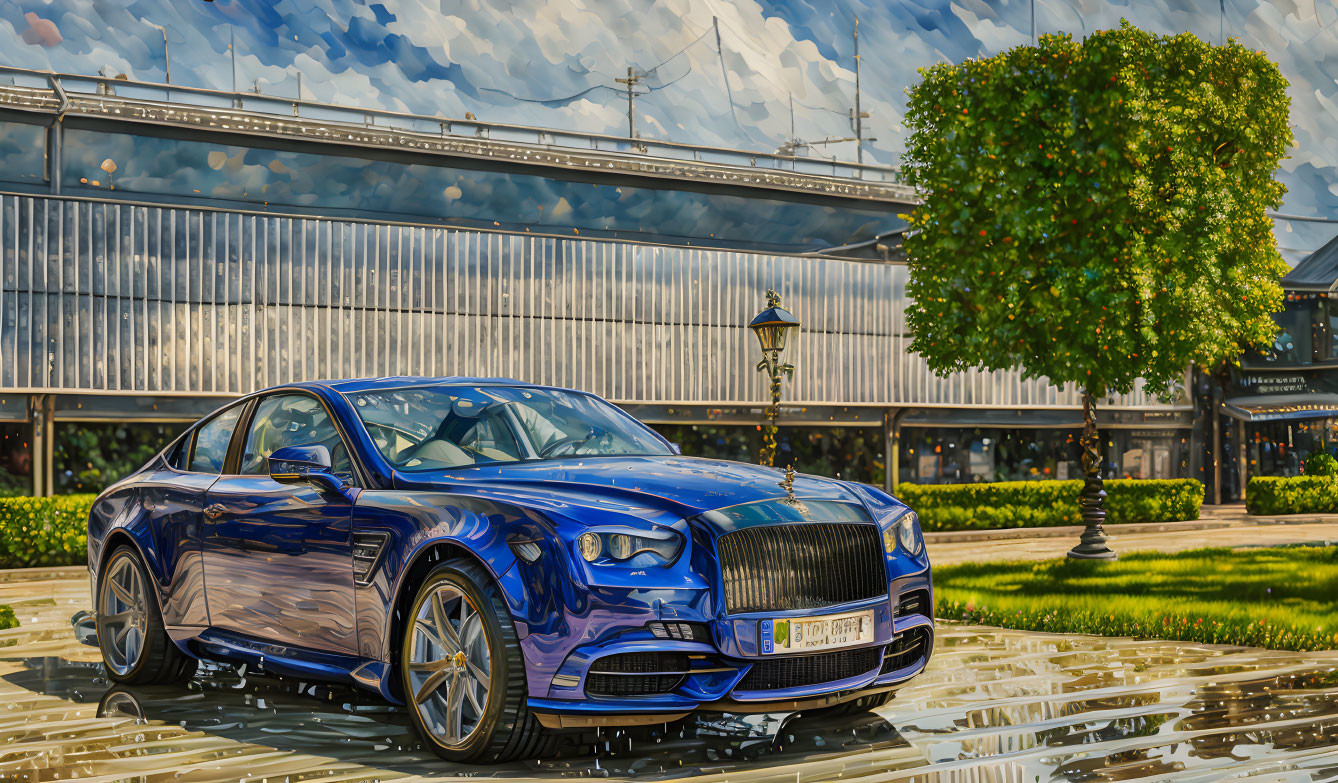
x,y
431,428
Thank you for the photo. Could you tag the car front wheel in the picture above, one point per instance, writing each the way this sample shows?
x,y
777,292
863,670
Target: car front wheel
x,y
463,672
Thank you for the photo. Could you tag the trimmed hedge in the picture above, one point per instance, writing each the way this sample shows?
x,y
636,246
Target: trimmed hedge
x,y
44,531
1007,504
1291,495
1319,463
7,618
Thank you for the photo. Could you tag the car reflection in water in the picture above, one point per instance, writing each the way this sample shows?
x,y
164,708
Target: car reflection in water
x,y
994,706
339,722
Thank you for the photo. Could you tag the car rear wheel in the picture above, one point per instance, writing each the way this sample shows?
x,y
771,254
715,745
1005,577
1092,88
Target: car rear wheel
x,y
135,647
463,672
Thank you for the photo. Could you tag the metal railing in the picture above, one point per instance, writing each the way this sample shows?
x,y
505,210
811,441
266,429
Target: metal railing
x,y
63,84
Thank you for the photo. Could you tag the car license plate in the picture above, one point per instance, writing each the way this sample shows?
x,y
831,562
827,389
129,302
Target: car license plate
x,y
803,634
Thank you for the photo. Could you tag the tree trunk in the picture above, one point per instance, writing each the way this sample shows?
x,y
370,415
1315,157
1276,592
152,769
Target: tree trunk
x,y
1092,500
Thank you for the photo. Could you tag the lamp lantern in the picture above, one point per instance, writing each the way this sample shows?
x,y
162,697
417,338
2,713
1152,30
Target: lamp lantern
x,y
772,327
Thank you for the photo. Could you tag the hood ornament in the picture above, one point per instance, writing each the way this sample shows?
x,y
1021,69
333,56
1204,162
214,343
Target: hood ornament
x,y
788,485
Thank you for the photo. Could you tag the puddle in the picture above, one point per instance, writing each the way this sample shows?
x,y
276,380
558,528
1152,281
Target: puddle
x,y
995,707
224,707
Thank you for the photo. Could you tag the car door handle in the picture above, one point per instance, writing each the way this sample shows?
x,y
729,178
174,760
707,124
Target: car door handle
x,y
215,511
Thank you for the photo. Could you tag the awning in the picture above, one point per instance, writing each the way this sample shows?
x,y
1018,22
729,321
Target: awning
x,y
1318,273
1281,407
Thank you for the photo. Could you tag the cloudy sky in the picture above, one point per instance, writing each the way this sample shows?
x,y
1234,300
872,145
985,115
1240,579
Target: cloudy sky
x,y
553,62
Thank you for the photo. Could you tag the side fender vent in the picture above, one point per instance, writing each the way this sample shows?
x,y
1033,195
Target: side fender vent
x,y
367,549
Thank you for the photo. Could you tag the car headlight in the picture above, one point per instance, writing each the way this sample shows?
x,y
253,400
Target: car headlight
x,y
620,546
903,533
592,546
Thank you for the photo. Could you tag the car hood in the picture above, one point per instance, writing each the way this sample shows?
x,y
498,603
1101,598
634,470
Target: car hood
x,y
654,488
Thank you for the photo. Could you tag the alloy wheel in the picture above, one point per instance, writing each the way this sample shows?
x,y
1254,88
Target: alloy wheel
x,y
449,669
123,615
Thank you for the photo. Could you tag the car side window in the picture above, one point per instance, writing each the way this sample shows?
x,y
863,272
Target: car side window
x,y
292,420
211,441
178,455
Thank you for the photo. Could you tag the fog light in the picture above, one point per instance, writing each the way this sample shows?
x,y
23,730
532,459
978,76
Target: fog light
x,y
688,632
591,546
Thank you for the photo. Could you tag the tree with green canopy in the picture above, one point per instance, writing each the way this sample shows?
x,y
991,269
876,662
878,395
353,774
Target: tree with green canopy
x,y
1095,213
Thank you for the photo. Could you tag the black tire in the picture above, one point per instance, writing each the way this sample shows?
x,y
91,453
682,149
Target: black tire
x,y
856,706
159,660
507,730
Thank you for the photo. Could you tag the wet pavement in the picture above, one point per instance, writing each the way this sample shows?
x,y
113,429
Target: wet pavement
x,y
994,707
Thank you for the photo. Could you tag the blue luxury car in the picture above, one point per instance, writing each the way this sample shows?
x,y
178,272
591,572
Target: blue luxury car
x,y
508,560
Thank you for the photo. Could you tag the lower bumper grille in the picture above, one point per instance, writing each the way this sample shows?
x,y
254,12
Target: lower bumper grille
x,y
906,649
915,602
770,568
777,673
636,674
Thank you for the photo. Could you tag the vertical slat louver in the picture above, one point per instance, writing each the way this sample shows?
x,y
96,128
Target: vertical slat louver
x,y
227,302
808,566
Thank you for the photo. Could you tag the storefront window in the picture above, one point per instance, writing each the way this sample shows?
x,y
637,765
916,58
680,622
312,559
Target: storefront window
x,y
1277,448
850,453
22,152
1146,454
92,456
1306,334
1329,331
940,455
16,459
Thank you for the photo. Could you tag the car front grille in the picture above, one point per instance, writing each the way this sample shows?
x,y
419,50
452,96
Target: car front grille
x,y
775,673
808,566
636,674
906,649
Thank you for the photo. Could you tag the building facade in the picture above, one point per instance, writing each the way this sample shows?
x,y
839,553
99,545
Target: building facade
x,y
163,251
1282,402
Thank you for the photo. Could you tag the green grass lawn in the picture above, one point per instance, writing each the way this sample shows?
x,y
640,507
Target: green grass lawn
x,y
1284,597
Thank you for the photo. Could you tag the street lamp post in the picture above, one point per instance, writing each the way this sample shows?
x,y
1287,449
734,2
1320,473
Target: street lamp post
x,y
167,54
772,326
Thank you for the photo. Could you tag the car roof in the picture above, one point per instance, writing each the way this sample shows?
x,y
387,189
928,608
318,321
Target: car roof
x,y
354,385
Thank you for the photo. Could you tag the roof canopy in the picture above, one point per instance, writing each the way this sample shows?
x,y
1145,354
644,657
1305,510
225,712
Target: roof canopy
x,y
1317,273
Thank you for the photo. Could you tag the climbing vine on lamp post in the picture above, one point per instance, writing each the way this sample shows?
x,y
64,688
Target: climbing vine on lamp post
x,y
1094,213
772,327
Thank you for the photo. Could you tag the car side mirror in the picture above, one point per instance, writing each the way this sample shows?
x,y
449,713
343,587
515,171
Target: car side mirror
x,y
305,464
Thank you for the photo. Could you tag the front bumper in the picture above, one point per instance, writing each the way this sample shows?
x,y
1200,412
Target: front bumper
x,y
717,675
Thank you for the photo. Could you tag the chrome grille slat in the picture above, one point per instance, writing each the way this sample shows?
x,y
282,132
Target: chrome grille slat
x,y
800,566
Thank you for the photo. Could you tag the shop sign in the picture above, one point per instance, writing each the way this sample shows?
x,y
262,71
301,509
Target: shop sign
x,y
1253,382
